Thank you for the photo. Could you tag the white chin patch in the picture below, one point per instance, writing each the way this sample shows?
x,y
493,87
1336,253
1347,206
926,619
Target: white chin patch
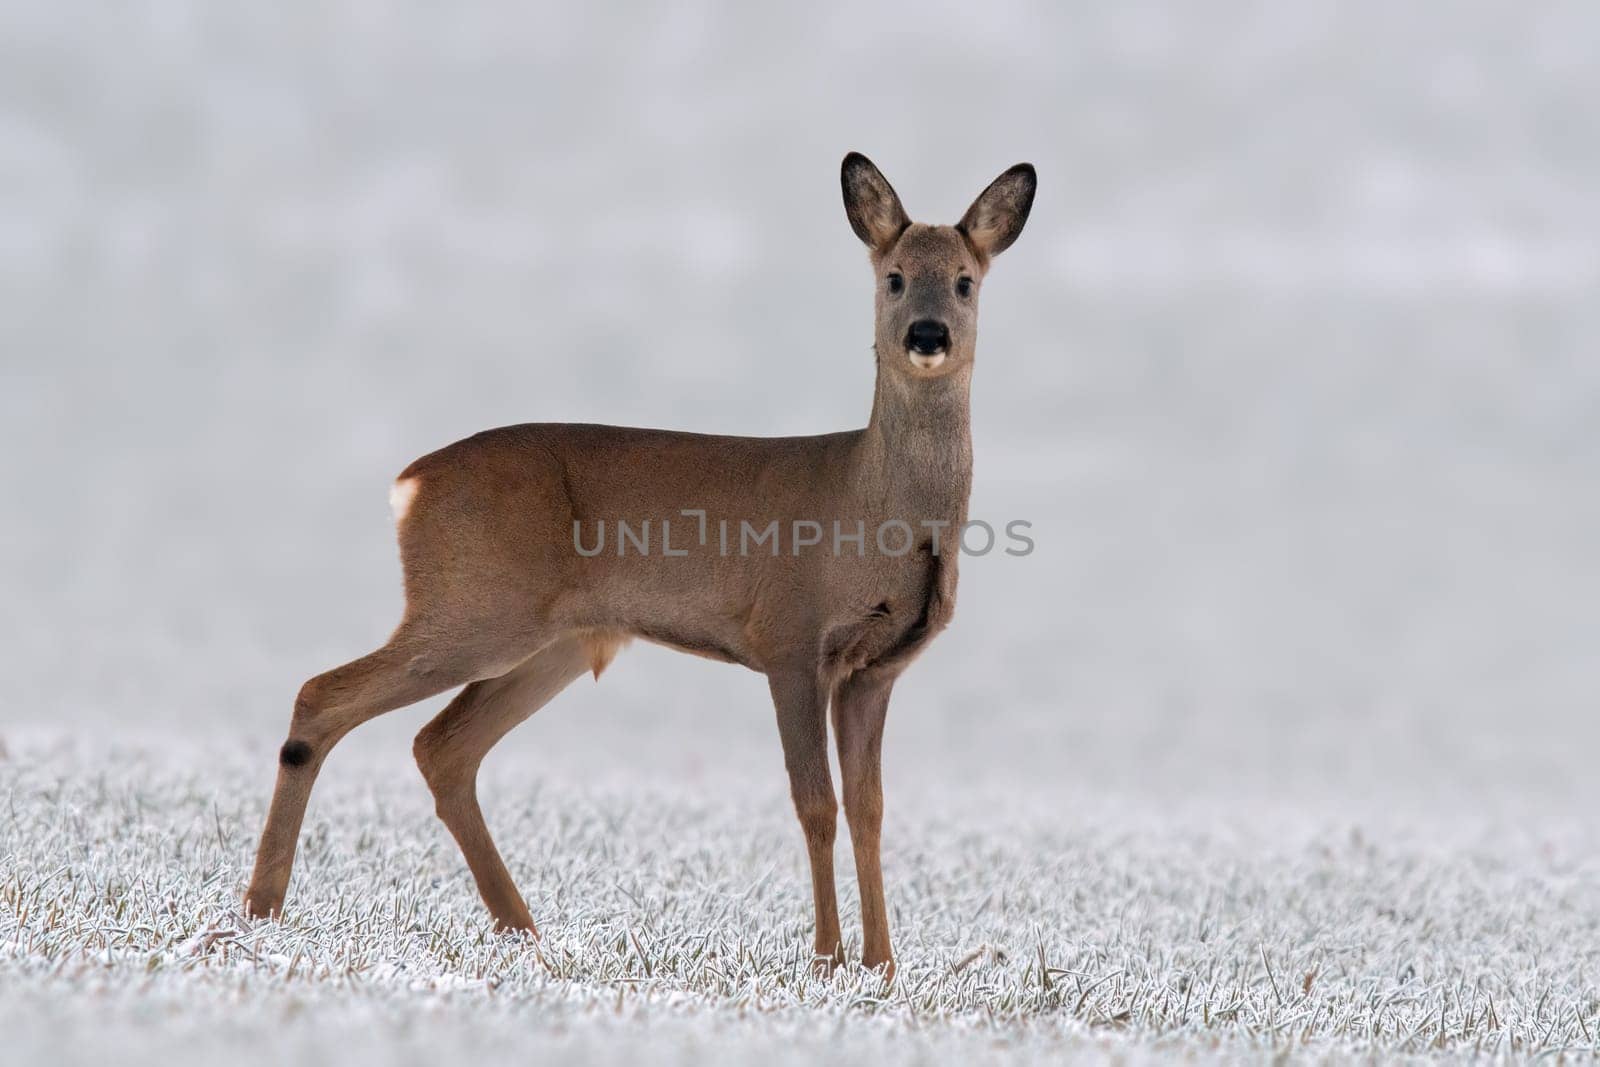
x,y
925,362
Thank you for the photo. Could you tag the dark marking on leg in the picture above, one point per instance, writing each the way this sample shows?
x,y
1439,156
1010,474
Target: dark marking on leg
x,y
294,754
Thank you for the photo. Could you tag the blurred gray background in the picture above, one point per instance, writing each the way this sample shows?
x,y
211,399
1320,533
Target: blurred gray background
x,y
1294,370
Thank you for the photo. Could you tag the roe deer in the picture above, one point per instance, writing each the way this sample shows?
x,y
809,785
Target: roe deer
x,y
505,595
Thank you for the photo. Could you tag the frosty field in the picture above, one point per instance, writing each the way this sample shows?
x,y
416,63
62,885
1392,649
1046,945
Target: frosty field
x,y
1283,741
675,924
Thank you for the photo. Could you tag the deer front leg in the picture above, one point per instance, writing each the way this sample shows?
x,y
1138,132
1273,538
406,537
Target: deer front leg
x,y
859,707
802,705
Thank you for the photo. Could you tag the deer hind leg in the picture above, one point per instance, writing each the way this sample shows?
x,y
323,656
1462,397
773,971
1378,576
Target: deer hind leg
x,y
859,707
802,706
404,671
451,747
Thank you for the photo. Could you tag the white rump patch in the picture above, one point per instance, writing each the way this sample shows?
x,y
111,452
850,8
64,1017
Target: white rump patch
x,y
925,362
401,496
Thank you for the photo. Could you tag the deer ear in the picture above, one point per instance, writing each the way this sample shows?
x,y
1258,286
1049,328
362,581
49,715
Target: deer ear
x,y
995,219
871,203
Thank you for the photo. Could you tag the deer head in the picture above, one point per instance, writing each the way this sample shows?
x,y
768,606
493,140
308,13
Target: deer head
x,y
928,277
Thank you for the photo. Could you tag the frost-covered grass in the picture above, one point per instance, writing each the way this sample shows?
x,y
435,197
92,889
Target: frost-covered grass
x,y
675,923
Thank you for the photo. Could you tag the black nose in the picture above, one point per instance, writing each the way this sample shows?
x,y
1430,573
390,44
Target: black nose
x,y
928,337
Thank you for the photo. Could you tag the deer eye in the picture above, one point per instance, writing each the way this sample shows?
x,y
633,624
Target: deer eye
x,y
897,283
963,286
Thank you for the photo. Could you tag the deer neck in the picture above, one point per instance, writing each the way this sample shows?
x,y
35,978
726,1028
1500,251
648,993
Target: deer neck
x,y
915,460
